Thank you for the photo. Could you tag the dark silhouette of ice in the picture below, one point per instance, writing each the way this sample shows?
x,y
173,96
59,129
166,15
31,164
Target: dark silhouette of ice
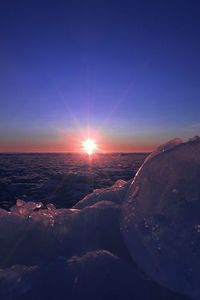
x,y
95,275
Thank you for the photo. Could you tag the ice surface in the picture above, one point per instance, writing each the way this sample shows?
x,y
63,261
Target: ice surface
x,y
161,215
98,275
81,253
25,208
165,147
30,233
116,194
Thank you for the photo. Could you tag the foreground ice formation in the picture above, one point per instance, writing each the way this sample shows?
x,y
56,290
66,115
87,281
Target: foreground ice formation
x,y
49,253
161,217
98,275
32,237
115,193
135,240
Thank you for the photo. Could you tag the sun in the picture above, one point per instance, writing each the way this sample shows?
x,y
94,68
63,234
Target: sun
x,y
89,146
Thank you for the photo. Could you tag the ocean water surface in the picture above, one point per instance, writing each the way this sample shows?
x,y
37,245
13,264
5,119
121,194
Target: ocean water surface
x,y
61,178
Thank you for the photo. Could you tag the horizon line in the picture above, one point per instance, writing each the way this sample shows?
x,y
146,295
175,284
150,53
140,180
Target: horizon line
x,y
71,152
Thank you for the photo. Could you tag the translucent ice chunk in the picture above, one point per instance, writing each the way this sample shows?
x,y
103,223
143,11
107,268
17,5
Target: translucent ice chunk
x,y
169,145
165,147
196,138
50,206
115,193
23,208
159,221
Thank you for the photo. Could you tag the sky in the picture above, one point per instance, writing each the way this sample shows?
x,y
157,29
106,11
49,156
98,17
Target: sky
x,y
125,73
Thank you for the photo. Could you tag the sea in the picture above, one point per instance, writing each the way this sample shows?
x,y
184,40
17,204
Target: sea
x,y
61,178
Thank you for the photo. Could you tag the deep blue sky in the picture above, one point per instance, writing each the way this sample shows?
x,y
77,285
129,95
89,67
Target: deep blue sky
x,y
129,70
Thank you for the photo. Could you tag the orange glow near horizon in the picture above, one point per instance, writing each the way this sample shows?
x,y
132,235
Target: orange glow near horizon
x,y
75,146
88,140
70,150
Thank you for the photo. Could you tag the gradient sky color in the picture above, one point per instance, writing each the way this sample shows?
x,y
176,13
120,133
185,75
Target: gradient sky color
x,y
128,71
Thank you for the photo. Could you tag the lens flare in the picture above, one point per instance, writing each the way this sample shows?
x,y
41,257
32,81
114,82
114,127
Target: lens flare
x,y
89,146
